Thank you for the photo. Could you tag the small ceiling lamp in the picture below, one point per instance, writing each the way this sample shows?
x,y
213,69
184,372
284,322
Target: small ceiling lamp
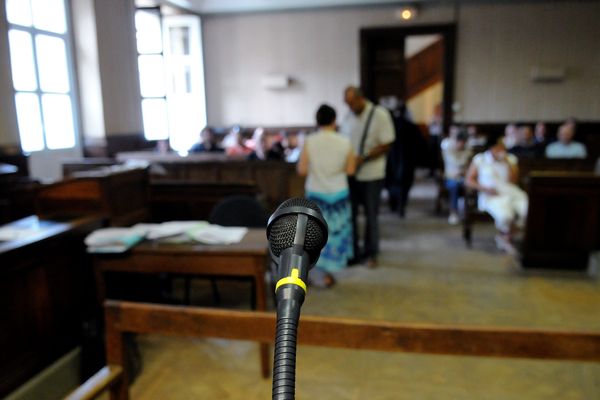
x,y
406,13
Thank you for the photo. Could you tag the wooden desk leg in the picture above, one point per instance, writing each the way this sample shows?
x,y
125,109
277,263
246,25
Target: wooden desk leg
x,y
261,305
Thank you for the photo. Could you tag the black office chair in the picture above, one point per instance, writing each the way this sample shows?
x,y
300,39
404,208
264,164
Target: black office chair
x,y
237,210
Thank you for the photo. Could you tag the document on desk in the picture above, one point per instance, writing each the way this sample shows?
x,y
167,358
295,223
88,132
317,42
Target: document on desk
x,y
170,229
216,234
8,233
112,240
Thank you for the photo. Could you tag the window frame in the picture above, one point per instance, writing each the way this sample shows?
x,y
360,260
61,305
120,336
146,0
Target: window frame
x,y
72,93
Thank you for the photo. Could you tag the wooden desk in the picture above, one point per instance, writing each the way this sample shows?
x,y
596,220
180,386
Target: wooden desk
x,y
249,258
45,286
119,195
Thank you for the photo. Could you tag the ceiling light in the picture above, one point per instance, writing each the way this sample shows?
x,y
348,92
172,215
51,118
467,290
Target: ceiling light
x,y
406,13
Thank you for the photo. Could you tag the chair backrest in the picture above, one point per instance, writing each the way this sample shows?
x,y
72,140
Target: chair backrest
x,y
239,211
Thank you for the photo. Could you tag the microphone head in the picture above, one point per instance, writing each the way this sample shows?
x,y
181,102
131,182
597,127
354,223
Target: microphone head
x,y
281,229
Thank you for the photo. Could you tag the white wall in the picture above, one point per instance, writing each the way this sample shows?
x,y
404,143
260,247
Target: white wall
x,y
497,43
318,49
117,58
9,134
88,68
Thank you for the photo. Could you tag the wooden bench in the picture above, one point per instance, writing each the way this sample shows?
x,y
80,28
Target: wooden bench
x,y
563,223
276,180
123,317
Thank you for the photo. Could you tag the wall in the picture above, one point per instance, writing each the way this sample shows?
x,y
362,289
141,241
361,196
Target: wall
x,y
318,49
117,58
9,134
88,68
497,44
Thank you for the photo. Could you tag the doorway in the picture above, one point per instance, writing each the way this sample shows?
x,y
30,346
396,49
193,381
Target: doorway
x,y
413,64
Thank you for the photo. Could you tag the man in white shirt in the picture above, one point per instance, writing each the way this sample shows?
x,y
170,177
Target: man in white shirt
x,y
566,147
371,132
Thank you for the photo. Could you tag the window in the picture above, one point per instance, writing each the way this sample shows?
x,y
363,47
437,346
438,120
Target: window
x,y
171,77
41,62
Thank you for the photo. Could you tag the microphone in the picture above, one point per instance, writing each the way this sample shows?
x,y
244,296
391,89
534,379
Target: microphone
x,y
296,232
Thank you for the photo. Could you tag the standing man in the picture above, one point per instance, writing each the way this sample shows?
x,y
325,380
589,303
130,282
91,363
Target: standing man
x,y
371,132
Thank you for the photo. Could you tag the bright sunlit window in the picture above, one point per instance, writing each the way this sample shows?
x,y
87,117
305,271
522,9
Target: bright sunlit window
x,y
151,65
171,77
40,61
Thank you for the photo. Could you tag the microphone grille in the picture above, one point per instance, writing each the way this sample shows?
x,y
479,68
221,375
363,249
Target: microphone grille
x,y
283,230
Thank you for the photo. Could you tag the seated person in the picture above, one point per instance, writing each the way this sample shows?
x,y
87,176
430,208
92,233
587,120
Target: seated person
x,y
511,133
207,143
475,140
494,174
525,145
456,156
540,138
265,147
292,143
235,144
566,147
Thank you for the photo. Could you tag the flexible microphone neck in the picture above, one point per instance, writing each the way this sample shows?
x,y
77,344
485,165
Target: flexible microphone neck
x,y
297,232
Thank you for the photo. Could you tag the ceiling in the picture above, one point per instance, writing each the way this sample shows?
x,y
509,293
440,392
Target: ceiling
x,y
238,6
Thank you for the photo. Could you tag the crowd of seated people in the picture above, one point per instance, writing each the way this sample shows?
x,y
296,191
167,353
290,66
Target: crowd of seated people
x,y
262,145
492,170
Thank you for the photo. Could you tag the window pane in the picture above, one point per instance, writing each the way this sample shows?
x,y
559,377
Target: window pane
x,y
58,120
149,36
152,76
30,121
49,15
52,64
21,60
156,124
18,12
180,40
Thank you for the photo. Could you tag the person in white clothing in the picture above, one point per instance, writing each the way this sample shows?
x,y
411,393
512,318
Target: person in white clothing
x,y
327,160
494,174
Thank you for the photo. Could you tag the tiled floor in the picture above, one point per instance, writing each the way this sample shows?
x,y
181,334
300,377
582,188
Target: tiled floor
x,y
426,275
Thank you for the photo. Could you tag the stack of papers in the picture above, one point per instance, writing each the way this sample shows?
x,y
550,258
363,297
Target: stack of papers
x,y
112,240
172,230
119,240
216,234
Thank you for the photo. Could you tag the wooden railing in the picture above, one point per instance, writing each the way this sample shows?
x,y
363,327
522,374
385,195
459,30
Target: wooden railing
x,y
124,317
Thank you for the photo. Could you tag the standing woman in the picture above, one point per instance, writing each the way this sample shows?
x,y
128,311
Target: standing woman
x,y
327,160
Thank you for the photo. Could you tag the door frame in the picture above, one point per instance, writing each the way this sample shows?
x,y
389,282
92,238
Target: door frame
x,y
447,31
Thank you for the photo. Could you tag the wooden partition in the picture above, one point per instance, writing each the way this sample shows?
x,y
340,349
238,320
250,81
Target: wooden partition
x,y
172,201
46,284
276,181
123,317
118,195
563,223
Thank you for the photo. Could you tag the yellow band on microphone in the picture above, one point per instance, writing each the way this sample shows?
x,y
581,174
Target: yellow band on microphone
x,y
292,279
